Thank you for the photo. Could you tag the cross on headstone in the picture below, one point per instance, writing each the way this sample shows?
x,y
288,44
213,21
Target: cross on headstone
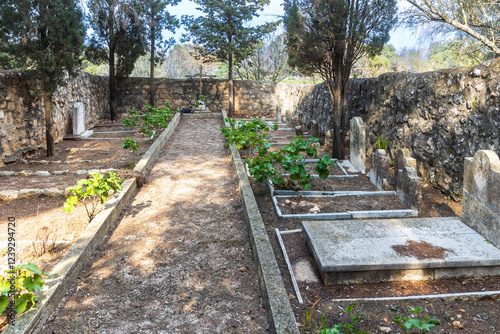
x,y
201,81
201,76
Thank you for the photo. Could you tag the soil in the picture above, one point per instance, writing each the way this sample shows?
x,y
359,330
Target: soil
x,y
421,250
300,205
334,170
457,316
179,260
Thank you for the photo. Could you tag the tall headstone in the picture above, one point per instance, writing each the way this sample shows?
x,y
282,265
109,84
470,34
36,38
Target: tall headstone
x,y
481,195
288,119
380,168
315,128
278,114
403,159
79,121
358,144
409,187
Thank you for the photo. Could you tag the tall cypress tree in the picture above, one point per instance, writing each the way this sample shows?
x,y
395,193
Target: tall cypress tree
x,y
44,37
157,18
326,37
223,33
117,40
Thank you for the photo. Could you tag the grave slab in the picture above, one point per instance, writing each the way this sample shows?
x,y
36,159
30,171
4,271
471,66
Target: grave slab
x,y
353,251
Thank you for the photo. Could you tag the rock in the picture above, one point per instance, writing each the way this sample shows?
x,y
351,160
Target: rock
x,y
302,204
52,192
41,173
23,161
315,209
457,324
31,193
24,173
9,195
81,172
384,329
6,173
243,269
60,172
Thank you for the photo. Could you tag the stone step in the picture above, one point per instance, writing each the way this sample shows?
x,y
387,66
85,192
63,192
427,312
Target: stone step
x,y
369,251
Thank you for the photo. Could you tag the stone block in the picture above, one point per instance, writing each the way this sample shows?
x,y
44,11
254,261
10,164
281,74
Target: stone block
x,y
9,195
409,187
78,118
288,119
358,144
30,193
278,114
380,168
481,195
403,159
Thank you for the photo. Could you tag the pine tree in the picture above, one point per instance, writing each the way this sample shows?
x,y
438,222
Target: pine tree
x,y
157,18
117,40
44,37
223,33
327,37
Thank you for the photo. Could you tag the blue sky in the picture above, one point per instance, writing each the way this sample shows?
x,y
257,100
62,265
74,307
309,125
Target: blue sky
x,y
400,37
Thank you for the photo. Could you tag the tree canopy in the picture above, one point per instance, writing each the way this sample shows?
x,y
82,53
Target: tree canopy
x,y
44,37
223,33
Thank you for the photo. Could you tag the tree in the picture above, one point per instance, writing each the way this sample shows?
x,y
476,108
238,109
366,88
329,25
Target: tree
x,y
371,67
46,38
157,19
476,18
328,36
268,62
223,33
117,40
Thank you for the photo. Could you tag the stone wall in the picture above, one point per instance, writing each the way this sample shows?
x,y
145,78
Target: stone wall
x,y
441,116
22,119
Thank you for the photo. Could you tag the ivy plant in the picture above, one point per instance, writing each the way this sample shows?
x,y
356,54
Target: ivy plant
x,y
21,282
422,325
96,188
344,328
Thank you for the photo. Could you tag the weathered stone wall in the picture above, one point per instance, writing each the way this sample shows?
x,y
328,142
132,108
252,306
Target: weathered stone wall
x,y
22,119
441,116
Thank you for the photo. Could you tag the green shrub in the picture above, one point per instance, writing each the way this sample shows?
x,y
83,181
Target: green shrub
x,y
97,189
130,144
152,121
422,325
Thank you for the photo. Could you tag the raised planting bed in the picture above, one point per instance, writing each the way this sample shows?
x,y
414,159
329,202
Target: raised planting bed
x,y
42,222
342,206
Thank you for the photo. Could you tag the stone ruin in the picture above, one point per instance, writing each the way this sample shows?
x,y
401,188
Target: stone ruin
x,y
408,184
481,195
379,172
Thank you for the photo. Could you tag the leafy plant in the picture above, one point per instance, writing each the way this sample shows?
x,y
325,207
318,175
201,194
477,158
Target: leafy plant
x,y
382,143
130,144
152,121
423,325
202,98
97,189
345,328
25,279
248,136
291,158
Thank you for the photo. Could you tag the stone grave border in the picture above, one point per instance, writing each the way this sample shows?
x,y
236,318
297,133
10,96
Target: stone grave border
x,y
276,300
68,268
348,214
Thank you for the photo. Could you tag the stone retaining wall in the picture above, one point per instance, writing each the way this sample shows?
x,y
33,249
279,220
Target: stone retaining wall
x,y
22,119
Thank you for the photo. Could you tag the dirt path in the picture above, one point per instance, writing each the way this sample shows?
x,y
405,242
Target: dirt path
x,y
179,261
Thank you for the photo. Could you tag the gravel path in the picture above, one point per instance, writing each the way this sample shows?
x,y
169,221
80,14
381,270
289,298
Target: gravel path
x,y
179,260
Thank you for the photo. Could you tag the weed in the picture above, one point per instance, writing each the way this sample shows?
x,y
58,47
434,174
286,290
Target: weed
x,y
422,325
130,144
97,189
41,244
152,121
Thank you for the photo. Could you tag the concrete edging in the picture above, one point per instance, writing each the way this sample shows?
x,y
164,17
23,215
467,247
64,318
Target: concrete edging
x,y
279,311
71,264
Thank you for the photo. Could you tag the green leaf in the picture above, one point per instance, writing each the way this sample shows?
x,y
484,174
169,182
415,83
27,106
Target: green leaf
x,y
33,268
4,287
20,304
33,283
4,303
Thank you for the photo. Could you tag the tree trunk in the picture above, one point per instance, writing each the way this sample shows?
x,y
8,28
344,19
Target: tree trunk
x,y
152,67
112,85
339,103
231,87
49,131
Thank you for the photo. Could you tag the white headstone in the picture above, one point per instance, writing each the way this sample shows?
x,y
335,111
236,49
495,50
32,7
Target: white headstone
x,y
358,144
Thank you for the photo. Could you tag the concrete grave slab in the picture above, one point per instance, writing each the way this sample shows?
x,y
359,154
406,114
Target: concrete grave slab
x,y
353,251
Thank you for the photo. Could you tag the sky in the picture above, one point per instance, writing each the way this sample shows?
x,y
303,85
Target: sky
x,y
400,38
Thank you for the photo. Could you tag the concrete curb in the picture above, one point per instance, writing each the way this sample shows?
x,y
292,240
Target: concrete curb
x,y
279,311
68,268
203,115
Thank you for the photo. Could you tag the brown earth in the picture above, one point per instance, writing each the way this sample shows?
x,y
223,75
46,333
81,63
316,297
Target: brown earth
x,y
179,260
